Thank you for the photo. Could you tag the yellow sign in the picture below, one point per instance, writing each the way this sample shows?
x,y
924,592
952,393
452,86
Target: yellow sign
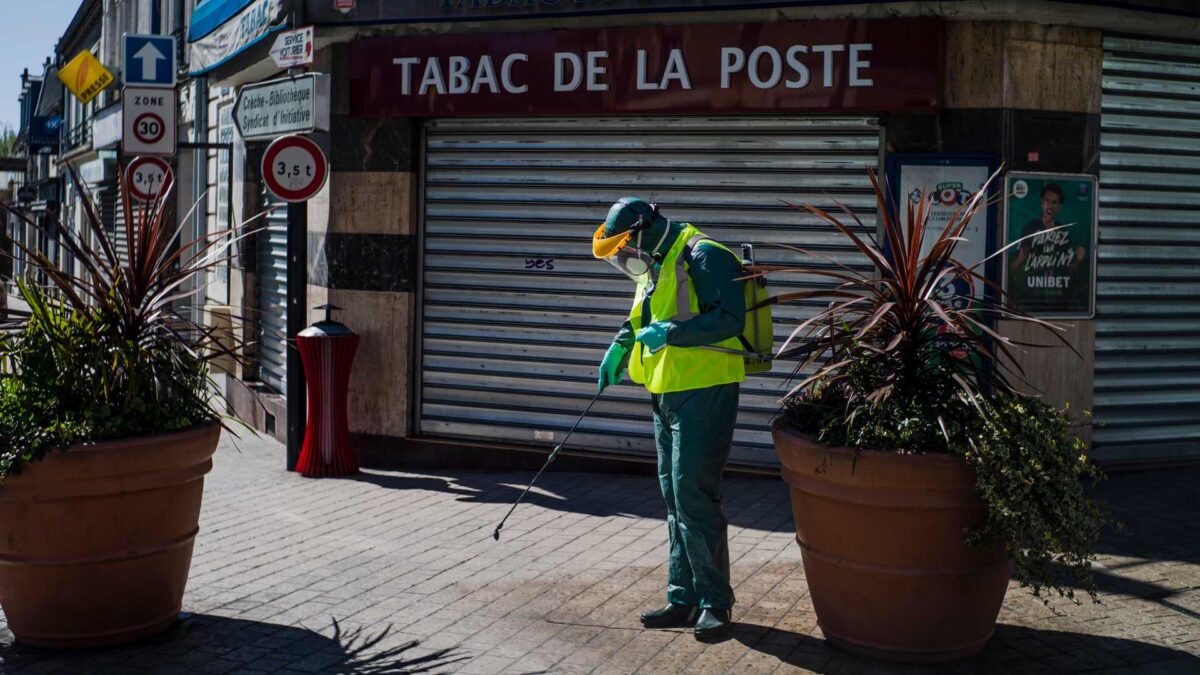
x,y
85,76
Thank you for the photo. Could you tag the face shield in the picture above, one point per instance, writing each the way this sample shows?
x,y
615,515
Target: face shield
x,y
624,253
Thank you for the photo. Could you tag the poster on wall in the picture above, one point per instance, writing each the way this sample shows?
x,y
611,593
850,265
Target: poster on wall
x,y
1052,271
947,182
219,279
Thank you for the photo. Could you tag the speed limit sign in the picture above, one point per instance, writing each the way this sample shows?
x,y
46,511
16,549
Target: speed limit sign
x,y
294,168
148,121
148,128
147,178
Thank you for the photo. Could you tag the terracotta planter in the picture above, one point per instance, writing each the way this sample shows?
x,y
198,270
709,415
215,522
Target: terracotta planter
x,y
95,542
888,572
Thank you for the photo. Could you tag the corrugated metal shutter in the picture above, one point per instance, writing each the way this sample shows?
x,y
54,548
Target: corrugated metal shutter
x,y
510,351
116,223
1147,386
112,214
272,296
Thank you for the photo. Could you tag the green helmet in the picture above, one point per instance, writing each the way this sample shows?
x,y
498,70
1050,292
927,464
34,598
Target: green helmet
x,y
629,212
631,236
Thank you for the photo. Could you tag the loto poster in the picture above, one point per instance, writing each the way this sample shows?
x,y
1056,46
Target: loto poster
x,y
948,182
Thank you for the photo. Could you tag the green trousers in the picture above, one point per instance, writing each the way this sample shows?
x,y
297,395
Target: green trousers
x,y
693,430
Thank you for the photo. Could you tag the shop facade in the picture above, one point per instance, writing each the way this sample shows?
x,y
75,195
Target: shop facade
x,y
473,153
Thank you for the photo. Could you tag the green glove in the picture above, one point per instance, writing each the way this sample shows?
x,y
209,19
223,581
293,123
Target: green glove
x,y
611,367
654,336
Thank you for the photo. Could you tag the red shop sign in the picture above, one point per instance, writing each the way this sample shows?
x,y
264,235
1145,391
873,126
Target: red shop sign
x,y
801,66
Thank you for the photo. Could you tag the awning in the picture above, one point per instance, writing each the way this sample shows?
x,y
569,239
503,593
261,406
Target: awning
x,y
222,29
210,14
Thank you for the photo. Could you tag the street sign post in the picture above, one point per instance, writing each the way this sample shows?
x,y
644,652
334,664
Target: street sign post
x,y
291,105
148,178
148,121
149,60
294,168
293,48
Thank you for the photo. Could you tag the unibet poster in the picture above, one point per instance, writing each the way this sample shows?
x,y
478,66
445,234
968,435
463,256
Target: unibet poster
x,y
1052,271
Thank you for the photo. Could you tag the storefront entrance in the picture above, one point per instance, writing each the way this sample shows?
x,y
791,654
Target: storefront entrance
x,y
515,313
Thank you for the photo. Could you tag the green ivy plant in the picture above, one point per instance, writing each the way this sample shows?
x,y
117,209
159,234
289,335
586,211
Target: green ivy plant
x,y
891,362
111,351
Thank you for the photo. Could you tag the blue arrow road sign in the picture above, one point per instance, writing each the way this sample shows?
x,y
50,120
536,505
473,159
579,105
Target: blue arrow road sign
x,y
149,60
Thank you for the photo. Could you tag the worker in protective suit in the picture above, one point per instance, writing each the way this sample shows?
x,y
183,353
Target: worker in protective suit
x,y
689,298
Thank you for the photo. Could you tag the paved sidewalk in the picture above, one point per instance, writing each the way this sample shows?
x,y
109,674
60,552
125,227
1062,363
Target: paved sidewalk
x,y
397,572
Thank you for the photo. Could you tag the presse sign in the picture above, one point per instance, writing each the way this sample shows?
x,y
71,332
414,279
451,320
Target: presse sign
x,y
786,66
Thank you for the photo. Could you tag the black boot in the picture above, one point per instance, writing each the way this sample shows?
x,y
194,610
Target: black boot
x,y
713,625
671,616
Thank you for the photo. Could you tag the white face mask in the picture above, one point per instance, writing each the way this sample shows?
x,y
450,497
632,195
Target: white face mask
x,y
634,262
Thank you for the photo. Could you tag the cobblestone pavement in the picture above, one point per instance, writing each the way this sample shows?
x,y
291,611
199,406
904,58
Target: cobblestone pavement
x,y
396,572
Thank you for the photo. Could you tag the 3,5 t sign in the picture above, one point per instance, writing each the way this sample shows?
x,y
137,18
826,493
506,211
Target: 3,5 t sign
x,y
147,178
294,171
294,168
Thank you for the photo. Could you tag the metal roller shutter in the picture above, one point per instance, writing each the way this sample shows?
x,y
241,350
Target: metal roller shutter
x,y
272,296
119,233
509,350
1147,385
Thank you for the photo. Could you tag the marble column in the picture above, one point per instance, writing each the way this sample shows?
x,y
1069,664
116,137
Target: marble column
x,y
362,253
1029,94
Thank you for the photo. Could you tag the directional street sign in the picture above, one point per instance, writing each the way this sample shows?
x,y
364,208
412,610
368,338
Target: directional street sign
x,y
293,48
149,60
147,178
294,168
148,121
292,105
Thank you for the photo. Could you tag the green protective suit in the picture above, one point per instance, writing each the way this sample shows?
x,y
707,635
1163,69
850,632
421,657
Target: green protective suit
x,y
693,432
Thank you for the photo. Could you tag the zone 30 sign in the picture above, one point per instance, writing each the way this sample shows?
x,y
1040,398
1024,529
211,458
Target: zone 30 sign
x,y
786,66
148,121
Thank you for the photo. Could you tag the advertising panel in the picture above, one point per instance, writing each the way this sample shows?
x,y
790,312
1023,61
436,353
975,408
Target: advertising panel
x,y
1052,272
949,181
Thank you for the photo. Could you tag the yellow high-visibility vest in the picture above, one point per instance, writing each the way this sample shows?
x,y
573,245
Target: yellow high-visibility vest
x,y
674,298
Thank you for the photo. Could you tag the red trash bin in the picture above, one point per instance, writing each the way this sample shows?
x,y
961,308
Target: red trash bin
x,y
327,351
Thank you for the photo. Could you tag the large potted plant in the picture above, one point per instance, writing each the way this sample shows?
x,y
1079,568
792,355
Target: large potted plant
x,y
920,474
108,423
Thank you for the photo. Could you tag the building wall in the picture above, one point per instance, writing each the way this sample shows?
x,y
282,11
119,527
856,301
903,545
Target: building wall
x,y
1029,94
362,252
1016,83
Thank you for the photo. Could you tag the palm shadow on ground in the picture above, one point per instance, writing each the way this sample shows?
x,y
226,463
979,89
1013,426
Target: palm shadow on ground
x,y
1013,649
205,643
